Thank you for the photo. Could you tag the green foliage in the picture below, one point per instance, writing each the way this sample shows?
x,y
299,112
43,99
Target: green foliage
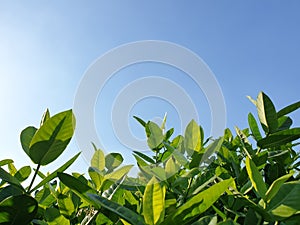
x,y
248,178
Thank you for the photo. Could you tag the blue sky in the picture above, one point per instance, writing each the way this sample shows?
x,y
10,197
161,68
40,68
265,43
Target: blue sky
x,y
46,47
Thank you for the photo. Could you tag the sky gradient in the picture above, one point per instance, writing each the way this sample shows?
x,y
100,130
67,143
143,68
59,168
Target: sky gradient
x,y
46,47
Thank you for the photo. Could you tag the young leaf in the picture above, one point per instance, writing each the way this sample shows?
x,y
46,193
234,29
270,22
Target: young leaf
x,y
126,214
256,178
212,148
98,160
154,202
266,113
45,117
197,204
5,162
52,138
156,135
142,122
192,138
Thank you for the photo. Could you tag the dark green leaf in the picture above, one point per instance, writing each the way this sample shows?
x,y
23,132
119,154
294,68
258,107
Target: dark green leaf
x,y
288,109
284,123
5,162
5,176
279,138
142,122
23,173
145,157
254,127
17,210
126,214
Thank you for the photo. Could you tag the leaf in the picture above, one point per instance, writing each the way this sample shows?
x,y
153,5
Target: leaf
x,y
142,122
9,190
5,162
156,135
206,220
252,100
266,113
16,210
212,148
288,109
171,167
23,173
45,117
126,214
26,137
98,160
284,123
275,186
65,205
52,138
5,176
53,217
256,178
198,204
286,202
54,174
279,138
76,185
145,157
119,173
154,202
109,193
254,127
192,138
113,160
96,176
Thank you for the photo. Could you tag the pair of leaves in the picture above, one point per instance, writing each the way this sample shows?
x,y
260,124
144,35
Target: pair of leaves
x,y
46,144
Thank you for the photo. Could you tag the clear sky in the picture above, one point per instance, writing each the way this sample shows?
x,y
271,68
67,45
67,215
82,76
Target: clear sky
x,y
46,47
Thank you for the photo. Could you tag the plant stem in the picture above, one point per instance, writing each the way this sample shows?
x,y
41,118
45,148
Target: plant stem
x,y
34,176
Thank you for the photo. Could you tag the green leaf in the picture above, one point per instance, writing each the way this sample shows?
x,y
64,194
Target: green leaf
x,y
54,174
45,117
76,185
5,162
9,190
192,138
109,193
206,220
198,204
23,173
154,202
16,210
96,176
98,160
171,167
275,186
52,138
119,173
65,205
284,123
126,214
5,176
113,160
156,135
254,127
53,217
288,109
142,122
26,137
145,157
279,138
212,148
286,202
266,113
256,178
